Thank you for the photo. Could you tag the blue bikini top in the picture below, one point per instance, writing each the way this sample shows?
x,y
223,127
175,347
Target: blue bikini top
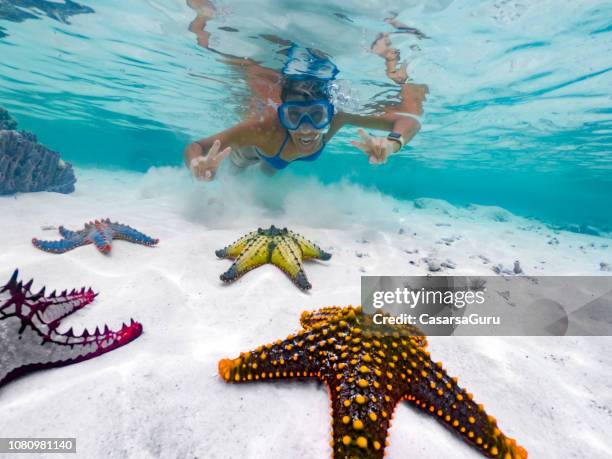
x,y
278,163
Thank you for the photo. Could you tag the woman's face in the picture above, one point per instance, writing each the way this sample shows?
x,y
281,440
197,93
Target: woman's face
x,y
306,138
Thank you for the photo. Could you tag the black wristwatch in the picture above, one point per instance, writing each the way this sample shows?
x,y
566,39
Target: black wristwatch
x,y
396,137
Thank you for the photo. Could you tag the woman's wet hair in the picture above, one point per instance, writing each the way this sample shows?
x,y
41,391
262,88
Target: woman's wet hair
x,y
312,88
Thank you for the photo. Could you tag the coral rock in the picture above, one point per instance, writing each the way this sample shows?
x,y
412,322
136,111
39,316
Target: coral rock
x,y
26,166
6,121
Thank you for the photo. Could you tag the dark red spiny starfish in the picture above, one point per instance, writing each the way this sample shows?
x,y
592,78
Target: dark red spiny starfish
x,y
369,369
29,337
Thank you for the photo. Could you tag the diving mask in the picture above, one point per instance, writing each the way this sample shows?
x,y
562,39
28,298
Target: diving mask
x,y
318,113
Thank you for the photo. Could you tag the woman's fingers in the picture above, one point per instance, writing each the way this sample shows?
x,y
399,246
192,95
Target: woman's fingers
x,y
374,147
196,166
214,149
202,169
368,144
387,150
222,155
205,167
383,148
362,146
378,149
364,136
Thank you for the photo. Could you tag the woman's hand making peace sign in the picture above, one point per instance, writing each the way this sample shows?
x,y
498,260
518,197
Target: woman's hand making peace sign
x,y
205,167
378,149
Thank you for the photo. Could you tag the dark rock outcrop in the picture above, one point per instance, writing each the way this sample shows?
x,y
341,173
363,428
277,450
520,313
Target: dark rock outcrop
x,y
26,165
6,120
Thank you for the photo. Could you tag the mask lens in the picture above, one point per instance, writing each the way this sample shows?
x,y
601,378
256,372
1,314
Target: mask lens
x,y
318,114
293,115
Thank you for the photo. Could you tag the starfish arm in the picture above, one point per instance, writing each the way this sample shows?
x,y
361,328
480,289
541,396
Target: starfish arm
x,y
56,307
127,233
61,246
291,358
50,309
33,346
235,249
256,253
309,249
431,389
29,336
66,233
360,414
318,317
362,396
287,257
102,240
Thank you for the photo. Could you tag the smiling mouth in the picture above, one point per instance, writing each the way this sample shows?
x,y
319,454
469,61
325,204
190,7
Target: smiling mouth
x,y
308,141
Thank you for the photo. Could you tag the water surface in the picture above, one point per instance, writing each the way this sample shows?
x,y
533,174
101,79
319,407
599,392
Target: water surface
x,y
518,113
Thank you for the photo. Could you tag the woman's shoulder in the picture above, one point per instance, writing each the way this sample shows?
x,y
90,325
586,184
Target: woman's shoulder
x,y
264,130
262,120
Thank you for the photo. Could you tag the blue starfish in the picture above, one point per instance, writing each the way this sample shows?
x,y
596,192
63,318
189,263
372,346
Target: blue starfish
x,y
101,233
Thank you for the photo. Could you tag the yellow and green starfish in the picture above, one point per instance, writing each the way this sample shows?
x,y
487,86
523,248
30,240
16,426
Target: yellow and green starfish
x,y
281,247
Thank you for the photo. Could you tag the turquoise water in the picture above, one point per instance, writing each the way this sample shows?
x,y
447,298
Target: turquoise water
x,y
518,115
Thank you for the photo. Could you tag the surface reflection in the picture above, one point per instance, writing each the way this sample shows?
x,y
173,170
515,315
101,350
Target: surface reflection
x,y
22,10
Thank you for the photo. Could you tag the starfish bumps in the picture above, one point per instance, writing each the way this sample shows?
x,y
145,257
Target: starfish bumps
x,y
29,336
369,369
101,233
281,247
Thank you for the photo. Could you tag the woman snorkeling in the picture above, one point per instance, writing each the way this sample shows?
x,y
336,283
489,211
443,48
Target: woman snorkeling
x,y
298,131
304,118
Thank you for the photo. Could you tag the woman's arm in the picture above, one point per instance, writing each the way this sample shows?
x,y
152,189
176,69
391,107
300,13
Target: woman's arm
x,y
205,11
400,118
203,157
392,122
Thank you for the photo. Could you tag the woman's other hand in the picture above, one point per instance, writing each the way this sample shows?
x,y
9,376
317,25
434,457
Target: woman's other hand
x,y
204,167
378,149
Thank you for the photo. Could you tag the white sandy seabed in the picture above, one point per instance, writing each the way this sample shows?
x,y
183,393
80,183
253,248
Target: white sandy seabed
x,y
161,396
